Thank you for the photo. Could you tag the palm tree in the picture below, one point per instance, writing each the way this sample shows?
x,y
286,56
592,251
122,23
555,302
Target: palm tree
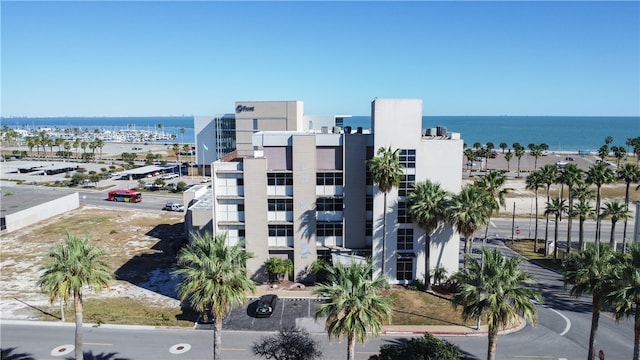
x,y
214,278
534,182
99,143
616,211
556,207
583,209
468,213
386,172
494,290
598,175
536,152
629,173
508,156
493,184
428,204
589,272
503,146
355,305
619,153
549,174
519,152
72,266
627,296
571,176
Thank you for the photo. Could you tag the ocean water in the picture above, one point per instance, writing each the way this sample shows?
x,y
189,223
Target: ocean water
x,y
560,133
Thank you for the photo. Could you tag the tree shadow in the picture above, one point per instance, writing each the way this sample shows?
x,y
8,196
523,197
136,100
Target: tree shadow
x,y
11,354
38,309
402,342
88,355
151,269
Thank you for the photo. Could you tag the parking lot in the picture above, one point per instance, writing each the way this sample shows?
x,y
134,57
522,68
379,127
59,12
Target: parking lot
x,y
288,312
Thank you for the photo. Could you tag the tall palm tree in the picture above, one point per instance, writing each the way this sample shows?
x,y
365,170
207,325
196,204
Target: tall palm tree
x,y
503,146
507,157
496,291
589,272
386,172
599,174
556,208
626,297
571,176
616,211
355,305
468,213
519,153
213,278
549,174
73,266
428,204
492,183
629,173
534,182
583,209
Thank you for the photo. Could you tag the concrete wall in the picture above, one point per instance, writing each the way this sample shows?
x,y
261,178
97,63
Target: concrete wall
x,y
41,212
304,195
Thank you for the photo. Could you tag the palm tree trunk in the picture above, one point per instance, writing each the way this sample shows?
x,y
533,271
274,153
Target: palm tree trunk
x,y
384,235
581,235
62,318
493,343
569,222
535,233
546,229
612,240
77,302
636,334
598,216
595,317
217,338
555,241
624,230
351,347
427,263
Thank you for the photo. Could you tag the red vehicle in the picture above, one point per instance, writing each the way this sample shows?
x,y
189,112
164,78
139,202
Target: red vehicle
x,y
124,196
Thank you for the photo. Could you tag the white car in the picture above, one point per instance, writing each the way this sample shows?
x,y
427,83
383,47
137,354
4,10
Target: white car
x,y
171,206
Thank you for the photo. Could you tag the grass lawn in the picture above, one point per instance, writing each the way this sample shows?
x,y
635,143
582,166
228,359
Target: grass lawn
x,y
412,307
525,248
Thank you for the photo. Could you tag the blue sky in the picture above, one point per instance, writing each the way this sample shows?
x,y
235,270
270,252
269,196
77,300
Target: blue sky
x,y
197,58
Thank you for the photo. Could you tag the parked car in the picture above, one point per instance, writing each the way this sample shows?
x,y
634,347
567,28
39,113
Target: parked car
x,y
171,206
266,305
569,158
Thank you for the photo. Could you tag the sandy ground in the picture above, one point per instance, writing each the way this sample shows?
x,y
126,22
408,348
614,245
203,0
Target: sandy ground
x,y
136,245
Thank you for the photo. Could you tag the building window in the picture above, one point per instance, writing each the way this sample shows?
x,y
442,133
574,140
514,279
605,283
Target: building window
x,y
368,229
404,268
280,230
279,179
369,178
403,213
407,184
408,158
329,179
329,204
241,233
240,207
329,229
405,239
369,203
280,204
240,181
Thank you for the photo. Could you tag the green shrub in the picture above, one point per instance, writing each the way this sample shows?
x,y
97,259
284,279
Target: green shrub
x,y
427,347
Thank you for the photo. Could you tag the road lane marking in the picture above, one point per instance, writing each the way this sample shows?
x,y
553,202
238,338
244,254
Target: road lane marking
x,y
98,344
566,319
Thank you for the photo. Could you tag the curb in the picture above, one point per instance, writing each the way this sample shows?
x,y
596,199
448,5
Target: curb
x,y
71,324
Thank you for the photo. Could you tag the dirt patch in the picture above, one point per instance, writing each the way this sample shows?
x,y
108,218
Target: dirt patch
x,y
141,249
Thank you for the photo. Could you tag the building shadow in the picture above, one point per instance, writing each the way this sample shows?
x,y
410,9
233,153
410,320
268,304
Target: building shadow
x,y
151,269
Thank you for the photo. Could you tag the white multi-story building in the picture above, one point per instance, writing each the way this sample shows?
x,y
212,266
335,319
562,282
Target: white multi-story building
x,y
306,193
